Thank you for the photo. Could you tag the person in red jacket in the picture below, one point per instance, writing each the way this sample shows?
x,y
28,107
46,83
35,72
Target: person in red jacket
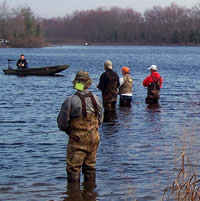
x,y
153,83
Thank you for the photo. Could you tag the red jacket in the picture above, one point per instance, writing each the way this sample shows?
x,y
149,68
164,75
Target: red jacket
x,y
149,79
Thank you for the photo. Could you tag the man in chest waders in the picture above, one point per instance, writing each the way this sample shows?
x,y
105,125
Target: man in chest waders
x,y
80,117
109,84
153,83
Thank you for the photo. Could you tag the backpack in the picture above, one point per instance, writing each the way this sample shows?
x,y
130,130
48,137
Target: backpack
x,y
154,88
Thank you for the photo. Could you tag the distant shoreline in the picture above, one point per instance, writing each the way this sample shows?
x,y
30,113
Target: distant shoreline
x,y
82,43
117,44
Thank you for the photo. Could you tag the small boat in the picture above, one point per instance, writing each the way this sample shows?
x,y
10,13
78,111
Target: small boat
x,y
36,71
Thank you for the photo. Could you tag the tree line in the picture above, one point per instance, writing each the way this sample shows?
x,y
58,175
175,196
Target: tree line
x,y
171,25
20,27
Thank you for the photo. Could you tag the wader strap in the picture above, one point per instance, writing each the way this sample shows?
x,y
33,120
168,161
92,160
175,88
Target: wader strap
x,y
82,97
154,79
94,103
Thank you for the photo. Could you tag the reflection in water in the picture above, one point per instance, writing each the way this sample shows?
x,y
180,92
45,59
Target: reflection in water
x,y
154,107
76,193
153,119
125,110
110,123
110,116
125,116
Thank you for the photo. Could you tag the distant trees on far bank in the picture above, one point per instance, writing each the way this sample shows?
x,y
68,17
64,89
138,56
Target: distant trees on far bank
x,y
20,27
159,25
171,25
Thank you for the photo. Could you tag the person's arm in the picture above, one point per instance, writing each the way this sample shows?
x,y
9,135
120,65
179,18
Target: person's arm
x,y
18,62
26,63
64,115
147,81
161,81
118,82
121,81
100,110
102,82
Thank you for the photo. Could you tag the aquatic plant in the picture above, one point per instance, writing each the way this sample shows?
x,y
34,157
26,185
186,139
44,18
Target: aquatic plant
x,y
186,186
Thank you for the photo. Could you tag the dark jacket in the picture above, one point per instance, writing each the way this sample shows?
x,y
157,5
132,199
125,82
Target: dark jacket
x,y
109,84
20,61
107,78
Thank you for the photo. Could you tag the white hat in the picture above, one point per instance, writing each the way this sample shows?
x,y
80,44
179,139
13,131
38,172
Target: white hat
x,y
153,67
108,64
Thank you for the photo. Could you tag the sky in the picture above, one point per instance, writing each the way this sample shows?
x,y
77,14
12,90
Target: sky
x,y
59,8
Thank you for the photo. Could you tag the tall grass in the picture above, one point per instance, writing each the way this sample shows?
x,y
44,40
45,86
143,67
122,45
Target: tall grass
x,y
186,186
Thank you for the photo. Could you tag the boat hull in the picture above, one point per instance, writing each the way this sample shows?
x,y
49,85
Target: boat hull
x,y
44,71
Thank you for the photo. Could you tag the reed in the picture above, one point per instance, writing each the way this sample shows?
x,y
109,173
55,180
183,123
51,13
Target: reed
x,y
186,186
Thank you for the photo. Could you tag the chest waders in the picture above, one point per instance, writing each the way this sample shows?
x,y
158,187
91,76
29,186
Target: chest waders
x,y
109,95
153,91
83,141
94,103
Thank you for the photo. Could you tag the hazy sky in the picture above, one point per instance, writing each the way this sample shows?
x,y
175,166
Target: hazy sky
x,y
52,8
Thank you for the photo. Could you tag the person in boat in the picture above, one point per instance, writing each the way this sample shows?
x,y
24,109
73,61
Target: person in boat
x,y
80,117
126,87
22,62
153,83
109,85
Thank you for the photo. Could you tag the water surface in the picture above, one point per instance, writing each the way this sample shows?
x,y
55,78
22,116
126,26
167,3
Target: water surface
x,y
139,145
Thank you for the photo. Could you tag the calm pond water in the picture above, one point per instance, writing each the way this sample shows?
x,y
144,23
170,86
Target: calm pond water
x,y
137,157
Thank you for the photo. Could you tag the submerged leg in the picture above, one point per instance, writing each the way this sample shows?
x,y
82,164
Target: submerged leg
x,y
89,169
75,158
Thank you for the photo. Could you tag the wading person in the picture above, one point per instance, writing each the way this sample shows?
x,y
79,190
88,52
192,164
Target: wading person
x,y
22,62
153,83
80,117
126,87
109,84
